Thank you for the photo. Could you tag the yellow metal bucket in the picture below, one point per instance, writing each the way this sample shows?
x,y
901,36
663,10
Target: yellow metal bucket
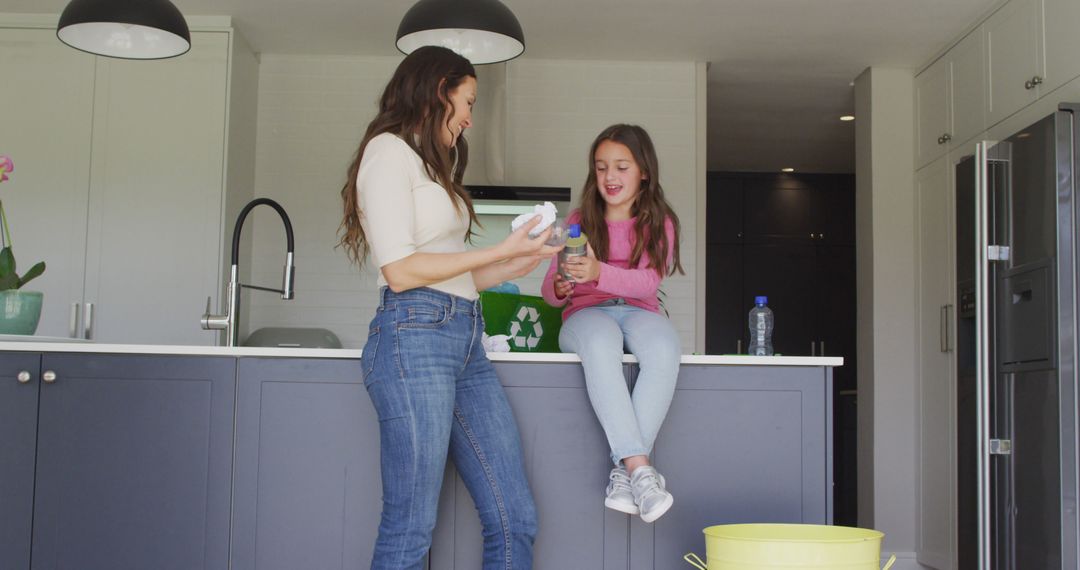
x,y
790,546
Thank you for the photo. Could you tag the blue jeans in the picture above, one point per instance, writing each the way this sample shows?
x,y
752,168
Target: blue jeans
x,y
598,335
436,392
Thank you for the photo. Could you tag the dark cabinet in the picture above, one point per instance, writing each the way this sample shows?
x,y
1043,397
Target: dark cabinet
x,y
785,273
725,304
817,208
724,213
836,317
781,208
308,491
129,462
127,466
715,407
20,374
740,444
566,460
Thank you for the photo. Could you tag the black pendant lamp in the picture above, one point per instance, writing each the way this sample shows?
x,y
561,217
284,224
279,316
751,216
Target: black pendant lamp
x,y
484,31
129,29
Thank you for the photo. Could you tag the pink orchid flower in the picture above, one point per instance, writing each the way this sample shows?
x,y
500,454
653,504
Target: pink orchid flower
x,y
5,166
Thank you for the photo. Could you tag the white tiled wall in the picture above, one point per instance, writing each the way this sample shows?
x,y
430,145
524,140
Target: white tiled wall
x,y
312,113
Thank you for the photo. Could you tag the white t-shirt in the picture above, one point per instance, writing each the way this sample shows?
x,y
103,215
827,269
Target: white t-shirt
x,y
403,211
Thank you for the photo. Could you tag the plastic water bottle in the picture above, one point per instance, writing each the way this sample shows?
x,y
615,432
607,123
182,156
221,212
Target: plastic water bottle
x,y
575,247
761,326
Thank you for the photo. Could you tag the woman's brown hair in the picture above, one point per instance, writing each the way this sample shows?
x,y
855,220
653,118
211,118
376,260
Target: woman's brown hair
x,y
414,103
650,208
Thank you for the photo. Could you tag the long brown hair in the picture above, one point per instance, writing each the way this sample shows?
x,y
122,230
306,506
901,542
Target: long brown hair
x,y
650,208
415,102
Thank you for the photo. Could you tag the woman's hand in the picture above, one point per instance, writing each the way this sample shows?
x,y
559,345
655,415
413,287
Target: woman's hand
x,y
519,243
517,256
583,268
563,288
516,267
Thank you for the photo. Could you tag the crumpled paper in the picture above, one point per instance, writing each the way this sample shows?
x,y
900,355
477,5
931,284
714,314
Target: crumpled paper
x,y
547,213
496,343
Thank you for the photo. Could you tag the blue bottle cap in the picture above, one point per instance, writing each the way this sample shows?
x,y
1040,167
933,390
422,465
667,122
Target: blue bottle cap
x,y
761,300
574,230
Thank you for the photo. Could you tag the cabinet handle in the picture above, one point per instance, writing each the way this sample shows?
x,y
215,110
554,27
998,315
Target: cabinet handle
x,y
946,310
1033,82
944,138
49,376
813,348
23,377
822,351
738,346
73,325
88,322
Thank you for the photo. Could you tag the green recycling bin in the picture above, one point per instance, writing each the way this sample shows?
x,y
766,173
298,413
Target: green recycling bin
x,y
531,324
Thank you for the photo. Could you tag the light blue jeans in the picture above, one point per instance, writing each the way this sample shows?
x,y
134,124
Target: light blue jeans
x,y
436,393
598,335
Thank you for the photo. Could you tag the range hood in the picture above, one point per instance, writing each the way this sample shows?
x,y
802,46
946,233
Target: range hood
x,y
486,178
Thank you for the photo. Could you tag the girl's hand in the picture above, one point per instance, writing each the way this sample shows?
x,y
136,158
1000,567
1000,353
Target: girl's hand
x,y
563,288
519,244
584,268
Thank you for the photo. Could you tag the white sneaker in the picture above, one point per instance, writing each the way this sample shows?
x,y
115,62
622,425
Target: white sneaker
x,y
650,496
620,496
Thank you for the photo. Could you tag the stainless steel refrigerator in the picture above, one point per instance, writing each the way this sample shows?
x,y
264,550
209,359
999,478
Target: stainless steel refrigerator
x,y
1016,267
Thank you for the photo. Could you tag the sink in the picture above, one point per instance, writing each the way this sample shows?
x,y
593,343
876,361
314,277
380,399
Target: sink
x,y
293,337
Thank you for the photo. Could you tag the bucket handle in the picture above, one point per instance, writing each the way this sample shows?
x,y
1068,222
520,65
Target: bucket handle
x,y
697,563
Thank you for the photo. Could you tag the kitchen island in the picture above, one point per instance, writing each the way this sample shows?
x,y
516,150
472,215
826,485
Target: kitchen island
x,y
132,456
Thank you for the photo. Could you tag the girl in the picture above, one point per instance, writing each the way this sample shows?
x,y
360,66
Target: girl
x,y
424,367
611,303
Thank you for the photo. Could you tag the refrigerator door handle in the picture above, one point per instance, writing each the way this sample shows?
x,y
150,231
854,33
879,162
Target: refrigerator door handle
x,y
982,350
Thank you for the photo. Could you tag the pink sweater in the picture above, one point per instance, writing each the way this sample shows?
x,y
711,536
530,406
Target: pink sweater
x,y
617,279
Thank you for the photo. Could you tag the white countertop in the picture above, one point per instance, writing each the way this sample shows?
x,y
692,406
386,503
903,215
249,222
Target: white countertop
x,y
48,344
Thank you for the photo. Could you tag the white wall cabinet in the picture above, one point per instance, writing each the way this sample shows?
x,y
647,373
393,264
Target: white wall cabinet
x,y
935,329
932,111
967,76
121,185
48,96
1014,43
950,100
1061,20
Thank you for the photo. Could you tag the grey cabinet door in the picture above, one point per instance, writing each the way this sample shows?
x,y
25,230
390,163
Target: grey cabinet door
x,y
566,459
134,462
307,486
18,424
741,444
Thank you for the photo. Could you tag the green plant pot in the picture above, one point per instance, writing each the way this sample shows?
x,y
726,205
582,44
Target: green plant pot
x,y
20,311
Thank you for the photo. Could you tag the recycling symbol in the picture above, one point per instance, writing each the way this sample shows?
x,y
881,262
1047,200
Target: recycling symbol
x,y
525,329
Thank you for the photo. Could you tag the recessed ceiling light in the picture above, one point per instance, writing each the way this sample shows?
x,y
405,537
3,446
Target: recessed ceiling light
x,y
787,169
847,118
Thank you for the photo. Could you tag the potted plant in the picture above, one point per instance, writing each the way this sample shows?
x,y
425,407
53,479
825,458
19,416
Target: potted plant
x,y
19,310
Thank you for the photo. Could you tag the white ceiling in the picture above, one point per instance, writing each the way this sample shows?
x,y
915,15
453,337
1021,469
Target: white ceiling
x,y
780,70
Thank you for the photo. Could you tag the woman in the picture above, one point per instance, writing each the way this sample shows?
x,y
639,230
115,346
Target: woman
x,y
423,364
